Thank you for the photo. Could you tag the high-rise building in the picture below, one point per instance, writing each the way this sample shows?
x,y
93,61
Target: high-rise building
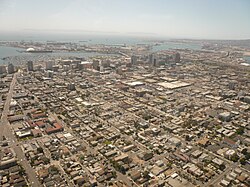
x,y
177,57
30,66
50,74
96,65
133,59
167,58
153,59
11,68
3,70
55,68
71,86
49,65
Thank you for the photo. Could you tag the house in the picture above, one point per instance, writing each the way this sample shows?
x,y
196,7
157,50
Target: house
x,y
43,173
128,148
135,175
36,132
146,155
122,157
196,153
219,163
224,183
110,153
230,142
16,118
175,141
203,142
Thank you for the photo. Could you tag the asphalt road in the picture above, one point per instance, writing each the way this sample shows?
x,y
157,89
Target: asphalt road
x,y
7,132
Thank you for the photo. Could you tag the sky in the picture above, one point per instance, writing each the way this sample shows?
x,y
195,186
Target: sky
x,y
197,19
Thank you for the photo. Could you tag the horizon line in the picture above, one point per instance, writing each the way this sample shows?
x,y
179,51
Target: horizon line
x,y
134,34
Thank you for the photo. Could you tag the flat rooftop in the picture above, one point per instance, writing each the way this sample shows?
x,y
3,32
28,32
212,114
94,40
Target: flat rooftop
x,y
173,85
135,83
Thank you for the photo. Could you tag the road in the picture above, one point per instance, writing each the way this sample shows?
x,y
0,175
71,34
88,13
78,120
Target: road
x,y
222,175
8,134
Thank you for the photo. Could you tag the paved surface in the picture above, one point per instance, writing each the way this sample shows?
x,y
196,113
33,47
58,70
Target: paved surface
x,y
222,175
6,131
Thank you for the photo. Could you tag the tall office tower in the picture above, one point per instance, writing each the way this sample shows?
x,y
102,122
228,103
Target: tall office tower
x,y
133,59
167,58
11,68
3,70
96,65
30,66
49,65
177,58
153,59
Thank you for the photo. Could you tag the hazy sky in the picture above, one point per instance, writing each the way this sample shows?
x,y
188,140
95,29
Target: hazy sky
x,y
211,19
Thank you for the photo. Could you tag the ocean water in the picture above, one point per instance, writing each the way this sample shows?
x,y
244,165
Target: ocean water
x,y
6,52
247,58
108,39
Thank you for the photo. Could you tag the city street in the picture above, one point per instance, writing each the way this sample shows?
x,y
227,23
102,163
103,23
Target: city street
x,y
8,134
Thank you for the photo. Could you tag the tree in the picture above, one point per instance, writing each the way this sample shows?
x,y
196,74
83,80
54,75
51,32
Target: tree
x,y
169,164
81,157
146,116
243,161
68,165
40,150
247,156
53,169
145,174
46,160
21,171
188,138
235,158
240,130
244,151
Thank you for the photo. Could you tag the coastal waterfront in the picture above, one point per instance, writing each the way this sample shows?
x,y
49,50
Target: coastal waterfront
x,y
247,58
7,52
172,45
13,56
